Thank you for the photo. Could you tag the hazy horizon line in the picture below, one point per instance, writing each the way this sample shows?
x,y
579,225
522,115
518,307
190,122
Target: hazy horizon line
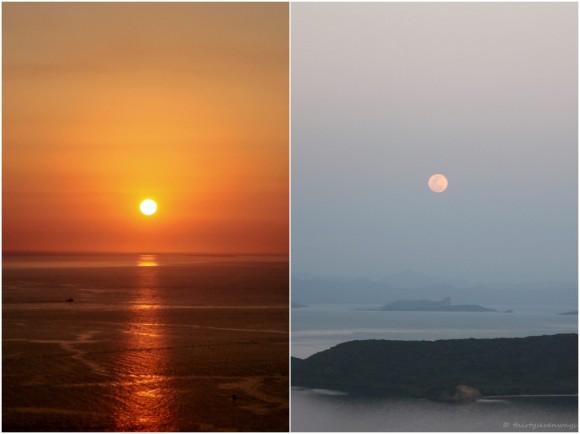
x,y
102,252
305,276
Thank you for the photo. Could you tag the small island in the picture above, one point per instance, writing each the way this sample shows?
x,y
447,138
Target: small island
x,y
295,305
433,306
574,312
451,370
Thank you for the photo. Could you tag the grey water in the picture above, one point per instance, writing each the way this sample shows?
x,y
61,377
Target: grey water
x,y
322,410
319,327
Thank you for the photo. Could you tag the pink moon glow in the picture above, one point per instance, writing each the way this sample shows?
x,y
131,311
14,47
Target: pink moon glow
x,y
438,183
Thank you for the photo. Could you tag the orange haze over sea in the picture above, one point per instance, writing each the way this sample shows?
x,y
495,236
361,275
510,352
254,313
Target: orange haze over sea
x,y
106,104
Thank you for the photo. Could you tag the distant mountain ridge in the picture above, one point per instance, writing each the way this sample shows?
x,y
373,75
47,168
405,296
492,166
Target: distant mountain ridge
x,y
413,279
412,285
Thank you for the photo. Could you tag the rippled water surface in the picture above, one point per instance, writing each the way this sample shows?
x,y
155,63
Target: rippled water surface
x,y
150,343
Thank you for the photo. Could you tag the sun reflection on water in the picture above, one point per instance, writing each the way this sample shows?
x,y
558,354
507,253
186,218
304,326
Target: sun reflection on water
x,y
144,397
147,261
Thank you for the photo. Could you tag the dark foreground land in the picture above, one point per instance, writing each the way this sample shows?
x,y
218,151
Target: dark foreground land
x,y
505,366
179,348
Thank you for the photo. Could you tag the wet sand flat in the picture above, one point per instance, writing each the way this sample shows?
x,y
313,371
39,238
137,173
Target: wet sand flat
x,y
200,347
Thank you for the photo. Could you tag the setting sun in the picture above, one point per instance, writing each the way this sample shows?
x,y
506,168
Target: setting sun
x,y
148,207
149,130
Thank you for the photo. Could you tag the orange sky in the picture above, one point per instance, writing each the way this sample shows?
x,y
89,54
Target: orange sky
x,y
106,104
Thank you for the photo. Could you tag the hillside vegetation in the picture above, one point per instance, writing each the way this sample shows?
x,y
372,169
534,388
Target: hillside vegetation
x,y
503,366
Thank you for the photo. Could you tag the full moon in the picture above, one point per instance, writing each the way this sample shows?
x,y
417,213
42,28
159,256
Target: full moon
x,y
438,183
148,207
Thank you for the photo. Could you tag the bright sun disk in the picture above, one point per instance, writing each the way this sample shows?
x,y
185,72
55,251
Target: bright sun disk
x,y
148,207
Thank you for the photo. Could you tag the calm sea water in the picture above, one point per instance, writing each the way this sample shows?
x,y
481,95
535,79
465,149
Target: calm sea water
x,y
320,327
324,410
149,343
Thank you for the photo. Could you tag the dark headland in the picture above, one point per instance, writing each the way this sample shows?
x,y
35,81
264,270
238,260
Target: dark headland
x,y
504,366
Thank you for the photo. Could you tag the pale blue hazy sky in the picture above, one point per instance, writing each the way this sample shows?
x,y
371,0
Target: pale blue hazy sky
x,y
385,95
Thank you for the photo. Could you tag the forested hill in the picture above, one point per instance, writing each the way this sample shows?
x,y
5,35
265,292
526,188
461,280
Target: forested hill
x,y
502,366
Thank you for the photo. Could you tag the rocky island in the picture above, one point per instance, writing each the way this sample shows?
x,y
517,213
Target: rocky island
x,y
433,306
